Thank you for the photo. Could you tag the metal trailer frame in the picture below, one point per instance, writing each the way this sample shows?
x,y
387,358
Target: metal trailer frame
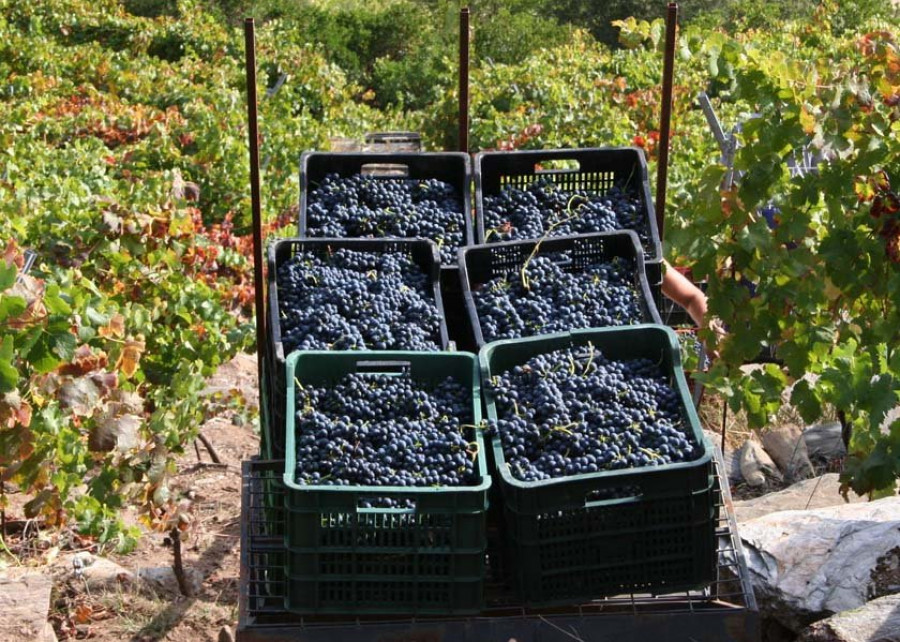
x,y
725,611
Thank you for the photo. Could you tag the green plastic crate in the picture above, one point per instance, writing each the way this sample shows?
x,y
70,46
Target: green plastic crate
x,y
346,559
566,542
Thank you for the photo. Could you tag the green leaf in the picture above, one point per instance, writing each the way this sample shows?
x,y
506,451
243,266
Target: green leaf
x,y
11,306
9,375
8,273
41,356
806,401
55,304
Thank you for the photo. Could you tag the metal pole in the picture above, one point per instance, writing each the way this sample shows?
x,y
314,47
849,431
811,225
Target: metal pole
x,y
464,79
253,132
666,117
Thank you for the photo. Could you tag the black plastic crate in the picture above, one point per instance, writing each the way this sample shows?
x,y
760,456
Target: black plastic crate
x,y
481,263
423,252
592,169
453,168
723,611
425,558
586,536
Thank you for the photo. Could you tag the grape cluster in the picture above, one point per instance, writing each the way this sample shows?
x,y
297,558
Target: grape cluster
x,y
545,209
573,411
385,430
544,298
356,300
361,206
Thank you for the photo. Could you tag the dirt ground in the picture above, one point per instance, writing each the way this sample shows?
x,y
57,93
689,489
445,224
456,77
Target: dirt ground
x,y
125,612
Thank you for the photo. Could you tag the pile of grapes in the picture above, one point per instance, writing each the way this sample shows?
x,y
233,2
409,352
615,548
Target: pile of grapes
x,y
356,300
543,298
545,209
573,411
385,430
363,206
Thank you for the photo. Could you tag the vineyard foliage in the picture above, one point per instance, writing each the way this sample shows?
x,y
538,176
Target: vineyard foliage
x,y
124,169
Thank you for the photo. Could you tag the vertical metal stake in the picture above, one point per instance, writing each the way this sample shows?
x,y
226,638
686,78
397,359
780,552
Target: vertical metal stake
x,y
666,117
253,132
464,79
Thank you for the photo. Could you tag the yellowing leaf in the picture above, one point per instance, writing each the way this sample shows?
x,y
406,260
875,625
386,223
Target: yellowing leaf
x,y
130,357
115,327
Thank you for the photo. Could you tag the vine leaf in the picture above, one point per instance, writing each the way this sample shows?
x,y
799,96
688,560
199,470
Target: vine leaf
x,y
9,376
130,357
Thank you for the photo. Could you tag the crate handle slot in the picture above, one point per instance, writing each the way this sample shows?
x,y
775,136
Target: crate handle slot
x,y
615,494
392,170
409,509
383,367
557,166
562,260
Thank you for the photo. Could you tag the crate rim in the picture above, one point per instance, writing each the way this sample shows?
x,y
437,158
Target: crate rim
x,y
290,458
622,474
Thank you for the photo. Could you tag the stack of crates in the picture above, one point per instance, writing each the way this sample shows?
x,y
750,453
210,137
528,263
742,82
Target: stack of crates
x,y
566,540
380,550
580,537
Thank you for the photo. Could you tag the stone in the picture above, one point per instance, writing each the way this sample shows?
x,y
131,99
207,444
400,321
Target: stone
x,y
25,605
818,492
757,468
808,565
876,621
824,441
787,449
162,578
98,572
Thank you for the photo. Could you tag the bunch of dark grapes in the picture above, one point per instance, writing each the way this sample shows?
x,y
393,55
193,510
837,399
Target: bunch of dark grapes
x,y
543,298
545,209
573,411
356,300
693,352
385,430
367,207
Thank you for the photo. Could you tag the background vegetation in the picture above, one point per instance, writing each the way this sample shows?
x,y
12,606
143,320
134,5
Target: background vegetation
x,y
124,169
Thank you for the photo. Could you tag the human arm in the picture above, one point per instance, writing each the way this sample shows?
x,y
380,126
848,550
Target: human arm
x,y
682,291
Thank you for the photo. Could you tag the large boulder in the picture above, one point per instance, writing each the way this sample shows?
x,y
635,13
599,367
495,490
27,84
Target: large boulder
x,y
756,466
825,441
876,621
808,565
25,605
787,448
818,492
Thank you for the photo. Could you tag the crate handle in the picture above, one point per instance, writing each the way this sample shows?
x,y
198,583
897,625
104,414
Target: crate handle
x,y
614,495
392,170
368,510
557,166
383,367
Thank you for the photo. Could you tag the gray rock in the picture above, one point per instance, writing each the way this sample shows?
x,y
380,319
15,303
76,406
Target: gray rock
x,y
824,441
808,565
818,492
755,464
876,621
162,578
25,605
98,572
787,449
